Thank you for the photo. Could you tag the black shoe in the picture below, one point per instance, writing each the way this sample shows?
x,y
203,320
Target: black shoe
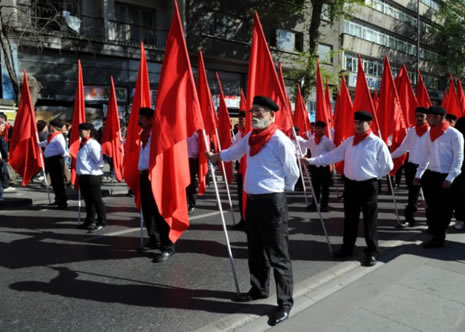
x,y
163,256
411,222
369,260
324,208
96,228
342,253
84,226
280,314
402,224
62,206
248,297
240,226
311,207
190,208
53,204
150,245
433,243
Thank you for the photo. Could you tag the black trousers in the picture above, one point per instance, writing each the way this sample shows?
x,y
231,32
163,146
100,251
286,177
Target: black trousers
x,y
413,191
90,187
157,228
361,196
458,189
191,189
268,243
320,181
240,185
55,167
440,203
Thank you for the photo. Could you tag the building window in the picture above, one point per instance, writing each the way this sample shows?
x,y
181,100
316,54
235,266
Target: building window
x,y
134,23
325,53
289,41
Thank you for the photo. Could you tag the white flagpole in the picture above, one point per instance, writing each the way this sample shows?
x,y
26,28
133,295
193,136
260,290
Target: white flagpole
x,y
231,259
314,198
226,179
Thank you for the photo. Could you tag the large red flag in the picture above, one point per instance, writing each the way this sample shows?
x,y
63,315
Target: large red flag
x,y
262,69
177,117
460,96
79,116
362,99
283,86
343,119
243,103
375,100
422,93
209,120
329,106
224,130
452,101
301,119
25,154
322,112
132,144
407,97
111,138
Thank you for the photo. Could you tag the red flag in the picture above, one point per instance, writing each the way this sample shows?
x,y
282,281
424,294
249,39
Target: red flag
x,y
111,138
224,130
407,97
283,87
460,96
243,103
79,116
322,112
177,117
209,120
362,99
343,119
262,69
452,101
132,144
422,93
25,154
328,106
243,162
375,100
301,119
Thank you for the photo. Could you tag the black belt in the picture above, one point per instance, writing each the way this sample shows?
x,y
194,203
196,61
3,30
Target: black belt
x,y
364,181
55,156
144,172
262,196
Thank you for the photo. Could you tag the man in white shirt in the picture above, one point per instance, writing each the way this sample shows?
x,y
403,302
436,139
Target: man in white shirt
x,y
55,151
413,143
321,175
157,228
271,169
440,164
366,159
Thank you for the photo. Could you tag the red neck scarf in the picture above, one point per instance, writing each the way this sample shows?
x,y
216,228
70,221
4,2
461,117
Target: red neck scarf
x,y
318,139
360,137
84,142
258,138
421,130
51,136
144,136
438,130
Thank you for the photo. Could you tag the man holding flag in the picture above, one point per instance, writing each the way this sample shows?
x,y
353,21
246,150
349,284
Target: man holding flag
x,y
271,169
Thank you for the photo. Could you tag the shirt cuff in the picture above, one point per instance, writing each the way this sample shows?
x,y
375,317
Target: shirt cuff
x,y
450,178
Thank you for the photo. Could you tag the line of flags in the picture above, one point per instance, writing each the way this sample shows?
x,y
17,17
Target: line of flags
x,y
184,108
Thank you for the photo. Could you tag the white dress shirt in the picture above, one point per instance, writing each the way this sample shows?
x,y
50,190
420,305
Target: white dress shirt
x,y
368,159
90,159
144,155
302,143
56,147
413,144
319,149
444,155
273,170
193,145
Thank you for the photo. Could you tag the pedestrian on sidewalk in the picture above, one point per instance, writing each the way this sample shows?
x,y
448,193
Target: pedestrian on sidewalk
x,y
89,168
366,159
271,169
440,164
413,143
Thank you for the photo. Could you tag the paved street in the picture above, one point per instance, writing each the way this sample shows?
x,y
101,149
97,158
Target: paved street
x,y
55,277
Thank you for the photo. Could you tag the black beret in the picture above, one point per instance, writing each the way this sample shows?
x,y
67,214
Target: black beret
x,y
363,116
242,114
147,112
450,116
265,102
320,124
437,110
56,123
86,126
421,110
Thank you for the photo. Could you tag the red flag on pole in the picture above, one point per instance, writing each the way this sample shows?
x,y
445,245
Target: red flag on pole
x,y
362,99
132,144
375,100
224,130
301,119
343,119
460,96
25,154
452,102
407,97
422,93
209,120
177,117
243,103
329,107
322,112
283,87
111,138
79,116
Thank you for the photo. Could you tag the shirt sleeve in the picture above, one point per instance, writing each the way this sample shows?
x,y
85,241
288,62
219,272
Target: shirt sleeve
x,y
403,147
331,157
236,151
385,162
457,161
289,162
